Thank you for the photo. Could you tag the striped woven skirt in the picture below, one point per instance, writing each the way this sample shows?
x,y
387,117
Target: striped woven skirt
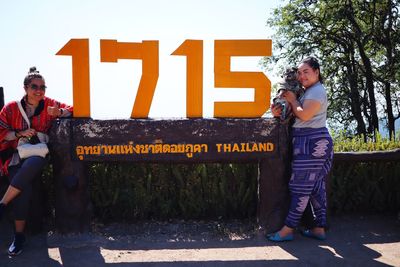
x,y
312,161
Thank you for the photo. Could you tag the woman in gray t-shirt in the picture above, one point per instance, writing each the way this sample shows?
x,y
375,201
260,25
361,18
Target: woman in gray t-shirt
x,y
312,153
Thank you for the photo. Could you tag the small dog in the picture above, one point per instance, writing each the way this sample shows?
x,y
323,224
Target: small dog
x,y
288,82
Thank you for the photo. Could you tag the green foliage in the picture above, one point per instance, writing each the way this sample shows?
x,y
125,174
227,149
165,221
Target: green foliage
x,y
207,191
344,143
356,44
130,191
365,187
372,186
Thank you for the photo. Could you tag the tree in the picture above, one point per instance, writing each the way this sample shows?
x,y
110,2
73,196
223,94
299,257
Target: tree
x,y
358,45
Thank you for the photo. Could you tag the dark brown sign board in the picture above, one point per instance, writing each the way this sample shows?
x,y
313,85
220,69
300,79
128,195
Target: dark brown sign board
x,y
175,140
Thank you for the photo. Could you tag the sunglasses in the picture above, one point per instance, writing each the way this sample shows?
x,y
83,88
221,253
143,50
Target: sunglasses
x,y
37,87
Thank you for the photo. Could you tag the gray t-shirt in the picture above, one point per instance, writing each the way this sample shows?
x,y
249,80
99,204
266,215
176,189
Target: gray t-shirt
x,y
316,92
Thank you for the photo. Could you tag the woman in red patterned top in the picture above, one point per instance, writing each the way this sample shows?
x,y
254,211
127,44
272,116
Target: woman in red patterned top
x,y
41,111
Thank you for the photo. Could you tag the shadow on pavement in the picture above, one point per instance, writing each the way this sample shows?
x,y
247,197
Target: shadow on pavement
x,y
352,241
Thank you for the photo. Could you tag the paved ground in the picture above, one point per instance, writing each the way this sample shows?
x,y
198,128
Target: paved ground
x,y
352,241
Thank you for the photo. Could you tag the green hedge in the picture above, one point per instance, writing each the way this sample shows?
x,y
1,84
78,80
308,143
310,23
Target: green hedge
x,y
364,186
369,186
345,143
131,191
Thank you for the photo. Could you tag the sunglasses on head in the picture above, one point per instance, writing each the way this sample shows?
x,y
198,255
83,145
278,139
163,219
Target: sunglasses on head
x,y
37,87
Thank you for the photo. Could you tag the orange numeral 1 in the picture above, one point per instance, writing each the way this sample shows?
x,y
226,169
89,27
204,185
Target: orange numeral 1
x,y
193,49
147,51
79,50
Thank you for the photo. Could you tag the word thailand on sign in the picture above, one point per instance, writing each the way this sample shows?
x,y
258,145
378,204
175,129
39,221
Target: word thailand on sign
x,y
148,53
184,140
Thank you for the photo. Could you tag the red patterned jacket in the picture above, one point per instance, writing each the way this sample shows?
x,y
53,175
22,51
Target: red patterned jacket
x,y
11,120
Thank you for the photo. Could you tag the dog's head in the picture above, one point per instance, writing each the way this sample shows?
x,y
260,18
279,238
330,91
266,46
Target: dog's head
x,y
289,82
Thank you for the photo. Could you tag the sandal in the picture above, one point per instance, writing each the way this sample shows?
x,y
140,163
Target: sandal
x,y
310,234
275,237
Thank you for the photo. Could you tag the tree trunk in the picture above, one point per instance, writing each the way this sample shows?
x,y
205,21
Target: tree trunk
x,y
389,110
370,87
390,67
367,68
355,96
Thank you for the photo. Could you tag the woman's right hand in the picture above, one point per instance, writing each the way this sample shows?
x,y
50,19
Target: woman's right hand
x,y
27,133
276,110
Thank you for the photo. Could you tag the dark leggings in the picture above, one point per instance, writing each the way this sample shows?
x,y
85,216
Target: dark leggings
x,y
22,177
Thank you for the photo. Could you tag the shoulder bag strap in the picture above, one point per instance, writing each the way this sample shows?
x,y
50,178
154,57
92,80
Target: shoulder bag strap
x,y
21,109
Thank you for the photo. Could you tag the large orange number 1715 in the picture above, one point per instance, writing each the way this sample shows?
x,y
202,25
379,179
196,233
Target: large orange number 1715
x,y
147,51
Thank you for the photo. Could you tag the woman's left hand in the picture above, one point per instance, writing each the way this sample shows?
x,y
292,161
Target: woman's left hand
x,y
289,96
54,111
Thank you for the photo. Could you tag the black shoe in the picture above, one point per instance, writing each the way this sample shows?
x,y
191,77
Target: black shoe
x,y
16,246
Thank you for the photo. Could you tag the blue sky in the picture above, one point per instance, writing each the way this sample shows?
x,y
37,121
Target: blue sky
x,y
33,31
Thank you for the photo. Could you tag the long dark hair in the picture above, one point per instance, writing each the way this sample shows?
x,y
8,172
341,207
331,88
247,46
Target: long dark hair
x,y
314,64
